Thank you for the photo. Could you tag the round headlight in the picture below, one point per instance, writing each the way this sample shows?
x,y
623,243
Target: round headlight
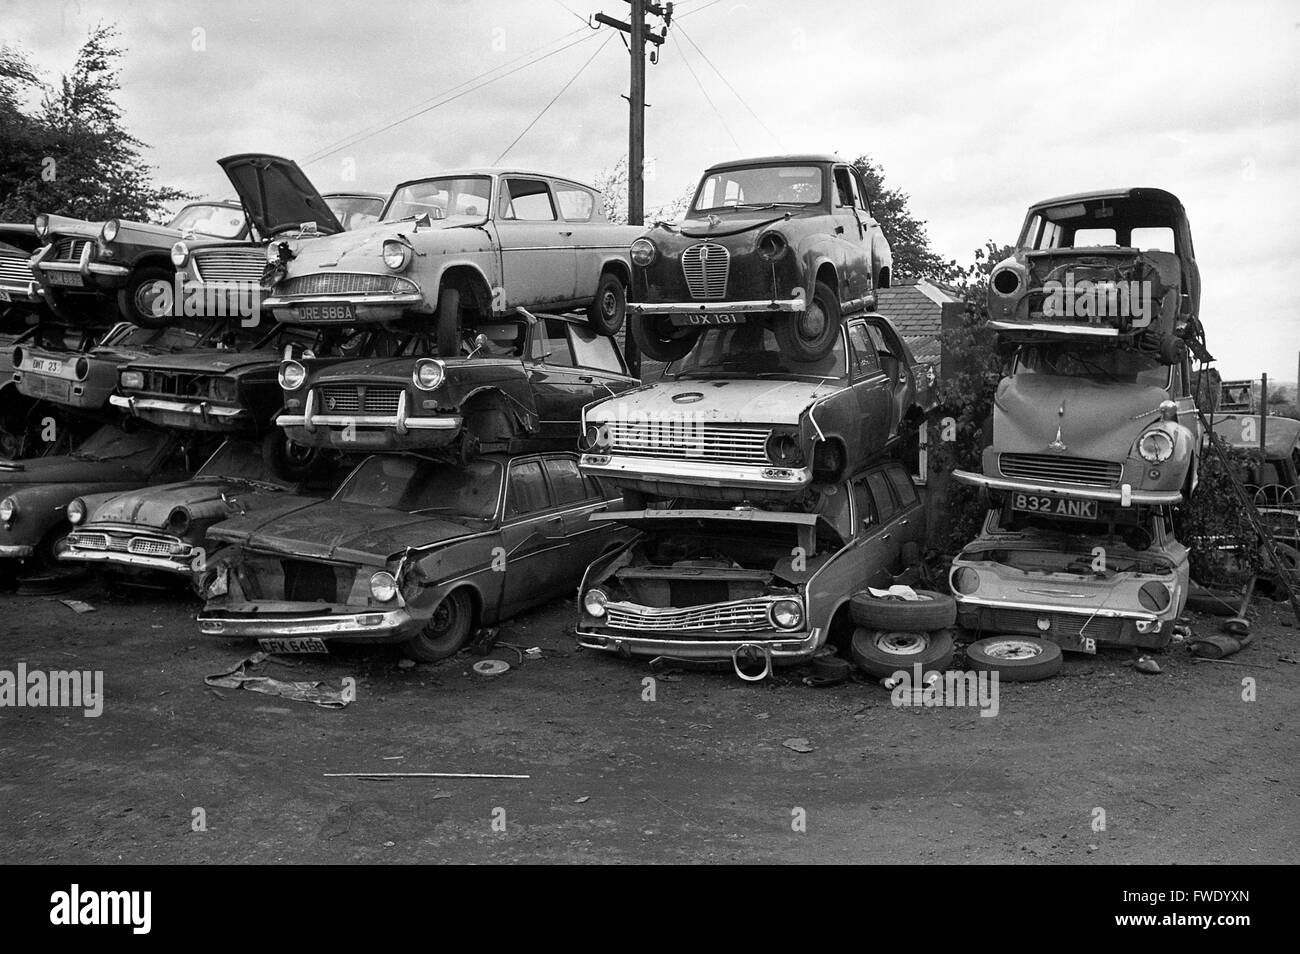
x,y
643,252
77,511
593,601
1005,281
180,254
81,369
428,374
109,231
771,246
1153,596
596,437
8,509
18,357
397,255
42,225
782,449
383,587
787,614
292,375
1156,446
178,521
965,580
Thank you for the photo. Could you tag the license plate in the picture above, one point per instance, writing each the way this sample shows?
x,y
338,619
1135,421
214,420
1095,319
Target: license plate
x,y
1055,506
712,318
47,365
1074,643
4,295
64,278
344,311
307,644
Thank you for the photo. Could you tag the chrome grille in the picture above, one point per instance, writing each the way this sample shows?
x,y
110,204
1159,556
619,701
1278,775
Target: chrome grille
x,y
744,615
687,440
1053,468
359,399
15,269
147,547
230,265
92,541
68,250
705,267
119,542
1073,624
337,283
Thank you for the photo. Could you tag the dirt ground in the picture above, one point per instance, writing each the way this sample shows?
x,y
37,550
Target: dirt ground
x,y
1185,770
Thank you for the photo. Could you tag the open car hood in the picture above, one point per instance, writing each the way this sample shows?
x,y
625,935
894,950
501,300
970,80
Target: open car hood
x,y
276,194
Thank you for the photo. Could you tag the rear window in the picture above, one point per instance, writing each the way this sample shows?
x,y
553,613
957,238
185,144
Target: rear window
x,y
576,205
527,491
566,481
902,486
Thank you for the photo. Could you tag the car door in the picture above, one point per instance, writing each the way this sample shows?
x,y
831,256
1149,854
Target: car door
x,y
910,519
853,235
532,534
893,360
598,361
576,206
560,387
872,391
576,499
538,259
887,533
873,540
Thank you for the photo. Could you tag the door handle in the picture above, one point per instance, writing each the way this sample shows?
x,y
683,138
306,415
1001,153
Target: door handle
x,y
585,378
566,234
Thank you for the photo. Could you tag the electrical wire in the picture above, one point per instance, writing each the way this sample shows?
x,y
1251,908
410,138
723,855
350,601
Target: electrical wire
x,y
734,92
681,50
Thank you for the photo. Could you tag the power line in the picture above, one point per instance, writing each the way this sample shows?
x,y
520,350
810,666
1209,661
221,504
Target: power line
x,y
571,81
707,98
573,11
691,13
728,84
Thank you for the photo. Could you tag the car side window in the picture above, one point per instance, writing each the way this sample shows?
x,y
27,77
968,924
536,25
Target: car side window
x,y
866,506
865,360
903,486
576,205
556,351
526,200
526,491
860,185
566,482
844,193
592,350
879,485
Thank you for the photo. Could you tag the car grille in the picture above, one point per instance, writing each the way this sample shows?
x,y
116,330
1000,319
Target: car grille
x,y
68,250
124,543
689,441
359,399
41,386
705,266
206,387
745,615
14,269
306,582
1074,624
230,265
337,283
1065,470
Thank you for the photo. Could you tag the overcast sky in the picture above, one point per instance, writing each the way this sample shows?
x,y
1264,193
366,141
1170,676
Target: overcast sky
x,y
974,109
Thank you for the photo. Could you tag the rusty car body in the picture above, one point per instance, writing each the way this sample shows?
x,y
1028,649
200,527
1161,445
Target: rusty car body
x,y
788,238
701,581
410,550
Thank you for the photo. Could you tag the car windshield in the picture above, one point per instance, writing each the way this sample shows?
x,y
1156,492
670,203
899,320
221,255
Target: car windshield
x,y
171,338
759,186
239,459
418,485
220,221
752,350
1122,365
111,443
447,197
355,211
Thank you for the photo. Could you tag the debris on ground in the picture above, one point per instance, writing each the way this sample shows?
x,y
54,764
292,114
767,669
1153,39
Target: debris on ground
x,y
1146,664
491,667
78,606
798,745
314,692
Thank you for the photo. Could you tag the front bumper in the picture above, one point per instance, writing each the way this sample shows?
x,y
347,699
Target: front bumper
x,y
1123,495
313,429
645,473
24,293
1069,627
189,415
781,647
328,623
366,308
15,552
179,562
95,275
774,306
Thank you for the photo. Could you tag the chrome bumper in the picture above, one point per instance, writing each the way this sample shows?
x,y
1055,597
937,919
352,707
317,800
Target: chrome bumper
x,y
1137,615
377,624
203,409
15,552
1125,496
169,564
1093,331
754,476
717,307
400,422
789,647
85,266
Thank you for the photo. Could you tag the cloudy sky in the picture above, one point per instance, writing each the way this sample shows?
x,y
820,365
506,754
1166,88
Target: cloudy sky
x,y
974,109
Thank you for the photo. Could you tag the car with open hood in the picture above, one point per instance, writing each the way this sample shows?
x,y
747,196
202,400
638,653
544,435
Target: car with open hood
x,y
1084,584
162,530
1106,265
461,248
515,383
126,270
790,241
35,493
751,584
1081,428
741,418
408,550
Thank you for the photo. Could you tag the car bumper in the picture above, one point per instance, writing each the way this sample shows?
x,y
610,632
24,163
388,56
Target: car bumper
x,y
15,552
192,415
779,646
1109,626
95,275
1123,495
24,293
775,306
336,623
365,307
316,430
647,470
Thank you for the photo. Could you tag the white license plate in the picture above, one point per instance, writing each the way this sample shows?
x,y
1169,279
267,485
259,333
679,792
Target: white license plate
x,y
64,278
4,295
344,312
307,644
47,365
1052,506
713,318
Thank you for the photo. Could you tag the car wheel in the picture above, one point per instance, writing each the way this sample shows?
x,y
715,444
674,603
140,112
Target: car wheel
x,y
446,632
1015,658
286,459
932,611
449,323
660,339
45,555
881,653
147,298
607,310
811,334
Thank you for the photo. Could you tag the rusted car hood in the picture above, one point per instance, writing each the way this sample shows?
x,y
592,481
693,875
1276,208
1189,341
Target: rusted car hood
x,y
152,506
336,530
1101,420
744,225
361,249
718,400
207,359
68,470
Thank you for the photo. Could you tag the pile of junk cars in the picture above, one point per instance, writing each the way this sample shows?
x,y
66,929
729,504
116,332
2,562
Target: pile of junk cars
x,y
364,419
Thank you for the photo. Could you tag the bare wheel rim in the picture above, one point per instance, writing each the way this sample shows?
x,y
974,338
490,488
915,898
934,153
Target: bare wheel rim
x,y
609,303
903,644
812,323
147,295
1014,649
444,620
297,453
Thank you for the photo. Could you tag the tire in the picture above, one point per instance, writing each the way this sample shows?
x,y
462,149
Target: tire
x,y
447,632
449,323
1015,658
287,460
934,611
135,301
607,310
830,667
45,555
657,338
881,653
811,334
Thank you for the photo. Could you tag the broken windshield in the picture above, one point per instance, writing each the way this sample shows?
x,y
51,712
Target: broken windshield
x,y
240,460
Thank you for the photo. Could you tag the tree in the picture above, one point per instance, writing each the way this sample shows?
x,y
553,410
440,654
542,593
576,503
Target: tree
x,y
612,184
913,256
73,156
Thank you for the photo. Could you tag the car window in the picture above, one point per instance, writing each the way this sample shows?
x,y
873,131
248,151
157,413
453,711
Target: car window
x,y
879,485
527,492
557,349
566,481
576,205
592,350
860,185
1085,238
845,193
903,487
866,506
1152,239
833,507
865,360
505,339
527,200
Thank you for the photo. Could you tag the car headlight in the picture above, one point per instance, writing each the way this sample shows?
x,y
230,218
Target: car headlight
x,y
81,369
783,449
292,375
8,509
1005,281
596,438
180,254
643,252
396,255
786,614
593,601
428,374
1153,596
216,582
383,586
178,521
42,226
131,380
1156,445
109,232
965,580
77,511
771,246
18,357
